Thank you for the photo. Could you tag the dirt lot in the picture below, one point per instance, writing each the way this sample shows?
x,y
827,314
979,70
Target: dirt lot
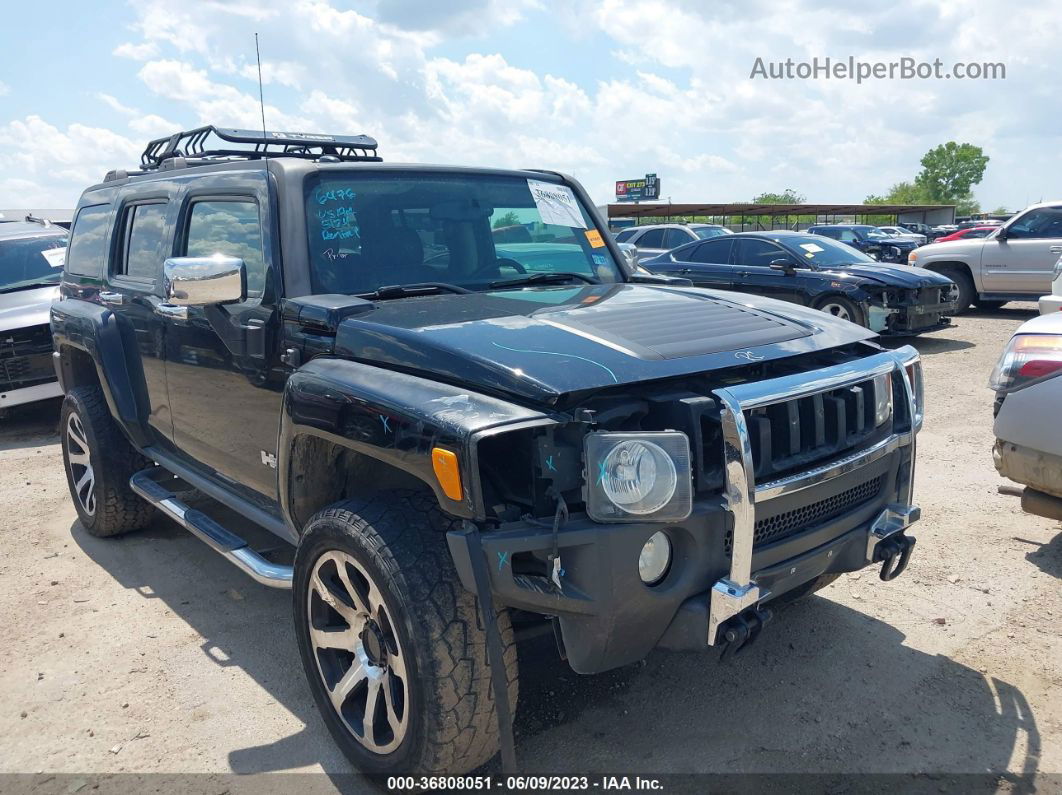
x,y
152,654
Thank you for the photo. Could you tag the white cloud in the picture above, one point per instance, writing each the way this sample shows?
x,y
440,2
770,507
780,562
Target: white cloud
x,y
4,88
115,105
152,126
137,52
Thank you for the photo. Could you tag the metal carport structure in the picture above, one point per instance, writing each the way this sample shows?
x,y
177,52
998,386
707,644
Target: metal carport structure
x,y
780,215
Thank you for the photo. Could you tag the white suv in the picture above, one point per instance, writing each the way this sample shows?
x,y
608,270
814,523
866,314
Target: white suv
x,y
1014,263
1053,302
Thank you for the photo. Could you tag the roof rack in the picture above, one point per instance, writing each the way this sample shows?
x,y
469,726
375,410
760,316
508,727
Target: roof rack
x,y
309,146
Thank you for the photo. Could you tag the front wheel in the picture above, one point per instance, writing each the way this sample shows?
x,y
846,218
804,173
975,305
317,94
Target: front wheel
x,y
967,294
841,308
391,643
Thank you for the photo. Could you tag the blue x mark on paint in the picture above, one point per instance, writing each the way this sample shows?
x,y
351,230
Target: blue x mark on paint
x,y
386,423
601,471
549,464
503,558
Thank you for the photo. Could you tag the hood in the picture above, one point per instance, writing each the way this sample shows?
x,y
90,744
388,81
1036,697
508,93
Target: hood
x,y
893,275
963,247
26,307
539,344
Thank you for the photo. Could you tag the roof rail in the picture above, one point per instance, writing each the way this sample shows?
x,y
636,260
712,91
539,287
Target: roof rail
x,y
263,144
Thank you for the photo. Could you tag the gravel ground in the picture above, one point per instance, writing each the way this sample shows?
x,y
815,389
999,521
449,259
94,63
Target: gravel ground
x,y
150,654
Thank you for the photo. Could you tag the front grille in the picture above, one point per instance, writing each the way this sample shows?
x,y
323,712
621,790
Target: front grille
x,y
25,357
793,435
783,525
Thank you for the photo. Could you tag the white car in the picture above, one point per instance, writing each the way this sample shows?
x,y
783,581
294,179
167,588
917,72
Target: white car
x,y
1028,386
1053,302
906,234
1013,263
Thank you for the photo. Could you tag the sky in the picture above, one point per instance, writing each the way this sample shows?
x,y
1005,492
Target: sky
x,y
602,90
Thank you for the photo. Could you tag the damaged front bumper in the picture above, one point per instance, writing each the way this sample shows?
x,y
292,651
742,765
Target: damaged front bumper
x,y
607,617
909,319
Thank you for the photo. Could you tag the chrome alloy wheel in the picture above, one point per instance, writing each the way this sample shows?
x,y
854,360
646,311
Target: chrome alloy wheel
x,y
79,463
836,310
359,656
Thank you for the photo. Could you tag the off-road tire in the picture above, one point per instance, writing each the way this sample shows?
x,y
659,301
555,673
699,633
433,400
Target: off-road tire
x,y
855,314
398,539
114,460
804,591
967,294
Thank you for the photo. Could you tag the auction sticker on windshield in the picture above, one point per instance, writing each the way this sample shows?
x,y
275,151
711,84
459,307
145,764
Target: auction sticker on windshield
x,y
556,204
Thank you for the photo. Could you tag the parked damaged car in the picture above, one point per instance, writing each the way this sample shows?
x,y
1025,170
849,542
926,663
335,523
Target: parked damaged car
x,y
818,272
463,440
1027,381
31,261
870,240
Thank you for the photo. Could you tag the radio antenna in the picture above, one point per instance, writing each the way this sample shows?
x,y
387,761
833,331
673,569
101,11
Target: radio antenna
x,y
261,92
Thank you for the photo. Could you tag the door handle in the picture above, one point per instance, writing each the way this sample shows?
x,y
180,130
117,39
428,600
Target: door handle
x,y
172,311
112,299
1055,249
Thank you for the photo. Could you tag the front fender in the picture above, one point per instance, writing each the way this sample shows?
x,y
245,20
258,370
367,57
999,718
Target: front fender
x,y
395,418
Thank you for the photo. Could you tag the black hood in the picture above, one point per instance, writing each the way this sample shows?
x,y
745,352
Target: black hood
x,y
539,344
903,276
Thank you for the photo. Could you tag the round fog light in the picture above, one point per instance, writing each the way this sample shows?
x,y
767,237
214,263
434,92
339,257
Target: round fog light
x,y
654,558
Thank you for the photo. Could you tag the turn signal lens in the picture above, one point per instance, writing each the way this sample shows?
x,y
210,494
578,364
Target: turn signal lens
x,y
447,472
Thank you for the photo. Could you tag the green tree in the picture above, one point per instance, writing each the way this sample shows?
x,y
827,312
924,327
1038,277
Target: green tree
x,y
788,196
508,219
950,170
902,193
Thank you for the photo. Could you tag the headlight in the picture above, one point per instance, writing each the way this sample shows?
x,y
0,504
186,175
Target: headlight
x,y
911,258
882,398
654,559
638,476
1027,358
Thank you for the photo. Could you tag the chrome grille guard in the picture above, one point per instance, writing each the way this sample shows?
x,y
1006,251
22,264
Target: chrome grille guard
x,y
738,591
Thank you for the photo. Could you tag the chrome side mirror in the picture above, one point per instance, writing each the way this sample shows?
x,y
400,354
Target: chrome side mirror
x,y
203,281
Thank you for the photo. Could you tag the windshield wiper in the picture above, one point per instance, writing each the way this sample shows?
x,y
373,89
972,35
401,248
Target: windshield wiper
x,y
27,285
406,290
542,278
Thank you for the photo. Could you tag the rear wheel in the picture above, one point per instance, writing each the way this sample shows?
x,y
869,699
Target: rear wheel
x,y
967,294
99,462
842,308
391,642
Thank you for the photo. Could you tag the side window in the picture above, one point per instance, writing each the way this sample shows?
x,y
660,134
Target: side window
x,y
88,241
654,238
625,235
848,236
142,228
714,252
757,253
231,228
676,237
1039,223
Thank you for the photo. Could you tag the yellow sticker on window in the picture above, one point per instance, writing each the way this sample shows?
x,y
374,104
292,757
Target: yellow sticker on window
x,y
594,237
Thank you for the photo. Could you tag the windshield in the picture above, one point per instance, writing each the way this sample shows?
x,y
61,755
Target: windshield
x,y
26,261
379,229
705,232
816,251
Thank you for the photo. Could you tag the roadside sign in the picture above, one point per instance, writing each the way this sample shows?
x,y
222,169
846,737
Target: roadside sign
x,y
634,190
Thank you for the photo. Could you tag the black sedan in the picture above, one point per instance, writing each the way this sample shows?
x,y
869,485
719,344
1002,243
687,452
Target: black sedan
x,y
818,272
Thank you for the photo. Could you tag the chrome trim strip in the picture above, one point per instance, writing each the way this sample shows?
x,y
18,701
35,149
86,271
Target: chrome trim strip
x,y
740,490
819,475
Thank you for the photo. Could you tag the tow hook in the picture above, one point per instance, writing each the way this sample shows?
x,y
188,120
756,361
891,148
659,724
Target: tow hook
x,y
739,632
894,553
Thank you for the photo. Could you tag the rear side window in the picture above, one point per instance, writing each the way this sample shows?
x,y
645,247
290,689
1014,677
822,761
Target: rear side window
x,y
88,241
231,228
654,238
714,252
141,254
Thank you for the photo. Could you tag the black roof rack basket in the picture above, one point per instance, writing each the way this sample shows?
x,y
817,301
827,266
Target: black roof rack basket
x,y
257,144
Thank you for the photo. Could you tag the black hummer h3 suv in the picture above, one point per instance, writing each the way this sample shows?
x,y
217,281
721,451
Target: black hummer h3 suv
x,y
449,392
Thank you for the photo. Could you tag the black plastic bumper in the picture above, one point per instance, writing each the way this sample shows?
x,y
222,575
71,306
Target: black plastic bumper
x,y
608,617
